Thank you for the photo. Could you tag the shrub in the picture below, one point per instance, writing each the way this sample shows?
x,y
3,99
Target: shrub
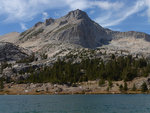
x,y
107,88
27,60
101,82
44,56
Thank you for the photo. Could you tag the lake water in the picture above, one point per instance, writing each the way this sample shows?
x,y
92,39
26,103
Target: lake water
x,y
75,104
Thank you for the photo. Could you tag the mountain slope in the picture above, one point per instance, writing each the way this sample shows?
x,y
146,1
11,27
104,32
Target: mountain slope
x,y
77,30
11,37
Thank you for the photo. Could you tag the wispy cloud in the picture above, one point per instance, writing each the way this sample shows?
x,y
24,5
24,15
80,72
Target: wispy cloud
x,y
107,5
84,4
45,15
111,19
147,2
23,26
112,12
26,10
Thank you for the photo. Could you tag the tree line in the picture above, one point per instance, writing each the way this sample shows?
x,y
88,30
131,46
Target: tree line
x,y
120,68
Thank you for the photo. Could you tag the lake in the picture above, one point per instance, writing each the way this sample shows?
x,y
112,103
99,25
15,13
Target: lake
x,y
75,103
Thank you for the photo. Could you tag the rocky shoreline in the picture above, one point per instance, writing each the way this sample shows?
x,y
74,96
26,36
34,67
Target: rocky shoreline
x,y
90,87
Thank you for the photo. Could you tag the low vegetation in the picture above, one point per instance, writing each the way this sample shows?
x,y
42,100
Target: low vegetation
x,y
27,59
3,66
44,56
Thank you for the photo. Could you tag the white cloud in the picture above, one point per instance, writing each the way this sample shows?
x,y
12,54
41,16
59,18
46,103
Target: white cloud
x,y
84,4
107,5
45,15
23,26
147,2
112,12
112,20
26,10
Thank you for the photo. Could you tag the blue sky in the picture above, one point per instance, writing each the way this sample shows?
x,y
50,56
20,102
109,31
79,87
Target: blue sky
x,y
120,15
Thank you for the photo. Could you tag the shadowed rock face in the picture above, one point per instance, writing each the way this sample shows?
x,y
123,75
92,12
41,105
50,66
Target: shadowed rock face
x,y
11,52
49,21
38,24
75,28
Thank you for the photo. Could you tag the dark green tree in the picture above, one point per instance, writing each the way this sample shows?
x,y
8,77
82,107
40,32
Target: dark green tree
x,y
144,87
110,83
134,87
1,84
101,82
121,87
125,88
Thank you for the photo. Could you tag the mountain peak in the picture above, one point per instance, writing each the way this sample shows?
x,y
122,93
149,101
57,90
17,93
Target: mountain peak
x,y
74,28
78,14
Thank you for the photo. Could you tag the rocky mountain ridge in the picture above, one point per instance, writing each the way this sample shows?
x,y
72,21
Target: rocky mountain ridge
x,y
74,31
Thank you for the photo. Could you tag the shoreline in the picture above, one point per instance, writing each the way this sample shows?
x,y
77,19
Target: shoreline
x,y
85,88
73,91
93,93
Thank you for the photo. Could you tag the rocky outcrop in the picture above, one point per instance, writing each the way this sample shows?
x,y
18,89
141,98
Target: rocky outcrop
x,y
49,21
11,52
38,24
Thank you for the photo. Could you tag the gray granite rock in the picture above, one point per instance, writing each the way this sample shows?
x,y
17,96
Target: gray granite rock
x,y
11,52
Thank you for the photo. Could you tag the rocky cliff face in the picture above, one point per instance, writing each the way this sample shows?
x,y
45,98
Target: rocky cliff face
x,y
129,34
11,52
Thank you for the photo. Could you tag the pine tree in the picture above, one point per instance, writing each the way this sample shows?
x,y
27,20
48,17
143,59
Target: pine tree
x,y
110,83
1,84
134,88
144,87
125,87
121,87
112,56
